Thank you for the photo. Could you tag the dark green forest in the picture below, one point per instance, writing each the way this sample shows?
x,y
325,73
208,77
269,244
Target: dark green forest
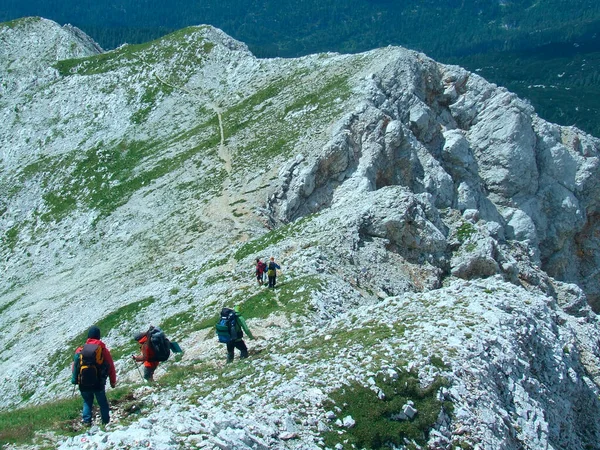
x,y
546,50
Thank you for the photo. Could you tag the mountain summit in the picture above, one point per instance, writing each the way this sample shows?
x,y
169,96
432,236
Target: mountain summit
x,y
438,244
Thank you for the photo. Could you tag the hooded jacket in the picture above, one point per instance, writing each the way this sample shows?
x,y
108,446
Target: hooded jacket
x,y
109,365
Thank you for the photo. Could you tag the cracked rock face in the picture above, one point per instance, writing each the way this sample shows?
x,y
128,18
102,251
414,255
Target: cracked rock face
x,y
424,219
480,149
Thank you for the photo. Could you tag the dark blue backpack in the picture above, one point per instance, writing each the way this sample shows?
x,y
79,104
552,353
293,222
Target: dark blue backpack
x,y
226,327
159,343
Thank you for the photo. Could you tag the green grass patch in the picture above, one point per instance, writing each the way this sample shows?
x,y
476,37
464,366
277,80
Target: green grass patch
x,y
125,313
260,305
377,425
19,426
8,305
258,245
336,87
108,175
136,56
465,231
438,362
295,294
186,322
23,22
11,237
368,333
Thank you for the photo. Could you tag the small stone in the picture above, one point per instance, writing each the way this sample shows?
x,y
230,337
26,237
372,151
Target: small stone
x,y
409,411
348,422
288,436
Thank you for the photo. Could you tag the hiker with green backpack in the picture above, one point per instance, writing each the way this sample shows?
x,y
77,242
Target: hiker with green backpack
x,y
92,366
230,330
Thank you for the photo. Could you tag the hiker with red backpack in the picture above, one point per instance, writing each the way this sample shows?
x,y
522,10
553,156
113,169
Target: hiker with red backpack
x,y
261,268
92,366
154,348
230,330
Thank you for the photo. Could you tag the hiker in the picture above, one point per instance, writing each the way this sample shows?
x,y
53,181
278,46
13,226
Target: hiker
x,y
230,330
261,268
149,353
272,268
92,365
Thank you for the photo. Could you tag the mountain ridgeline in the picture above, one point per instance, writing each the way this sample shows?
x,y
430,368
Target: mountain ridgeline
x,y
507,40
437,238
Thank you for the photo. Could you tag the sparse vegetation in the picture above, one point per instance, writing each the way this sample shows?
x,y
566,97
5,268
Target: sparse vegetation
x,y
376,426
465,231
62,358
258,245
19,426
137,55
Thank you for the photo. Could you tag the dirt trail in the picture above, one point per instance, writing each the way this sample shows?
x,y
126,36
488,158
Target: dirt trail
x,y
219,209
224,152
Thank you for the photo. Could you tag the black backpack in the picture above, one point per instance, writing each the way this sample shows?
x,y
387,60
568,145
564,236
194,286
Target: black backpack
x,y
227,326
159,344
92,370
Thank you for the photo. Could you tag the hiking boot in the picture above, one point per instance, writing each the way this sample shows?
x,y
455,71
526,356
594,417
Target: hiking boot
x,y
86,424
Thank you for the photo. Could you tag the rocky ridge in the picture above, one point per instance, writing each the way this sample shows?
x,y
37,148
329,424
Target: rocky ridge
x,y
426,220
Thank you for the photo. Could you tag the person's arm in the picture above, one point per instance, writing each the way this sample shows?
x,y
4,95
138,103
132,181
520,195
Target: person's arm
x,y
75,368
245,327
112,373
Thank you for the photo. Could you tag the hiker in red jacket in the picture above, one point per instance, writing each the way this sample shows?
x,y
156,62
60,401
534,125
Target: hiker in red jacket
x,y
147,356
92,365
261,268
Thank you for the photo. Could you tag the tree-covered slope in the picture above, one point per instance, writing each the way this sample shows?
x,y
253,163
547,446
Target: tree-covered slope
x,y
286,28
448,30
436,239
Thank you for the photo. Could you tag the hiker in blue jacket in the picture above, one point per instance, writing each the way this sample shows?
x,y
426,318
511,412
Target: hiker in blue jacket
x,y
272,268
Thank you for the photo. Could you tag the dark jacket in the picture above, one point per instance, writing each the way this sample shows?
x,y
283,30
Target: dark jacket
x,y
272,266
107,371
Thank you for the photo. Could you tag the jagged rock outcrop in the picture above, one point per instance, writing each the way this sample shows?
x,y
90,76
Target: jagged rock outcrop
x,y
472,147
427,222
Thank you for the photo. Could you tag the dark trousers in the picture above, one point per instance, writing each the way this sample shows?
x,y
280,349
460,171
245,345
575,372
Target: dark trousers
x,y
272,280
88,403
149,373
240,345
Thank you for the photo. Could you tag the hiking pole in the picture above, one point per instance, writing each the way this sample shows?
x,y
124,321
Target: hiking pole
x,y
138,368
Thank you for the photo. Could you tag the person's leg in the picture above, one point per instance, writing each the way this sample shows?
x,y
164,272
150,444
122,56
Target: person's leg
x,y
88,404
230,347
149,373
103,404
241,346
274,280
